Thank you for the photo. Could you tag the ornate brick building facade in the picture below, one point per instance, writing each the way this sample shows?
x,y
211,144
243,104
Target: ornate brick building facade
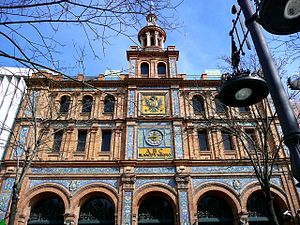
x,y
147,147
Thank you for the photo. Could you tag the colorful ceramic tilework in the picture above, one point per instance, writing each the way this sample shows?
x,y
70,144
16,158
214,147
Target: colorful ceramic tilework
x,y
184,208
5,196
127,208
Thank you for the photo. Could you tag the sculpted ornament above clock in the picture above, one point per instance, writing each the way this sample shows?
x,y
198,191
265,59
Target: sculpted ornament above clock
x,y
153,104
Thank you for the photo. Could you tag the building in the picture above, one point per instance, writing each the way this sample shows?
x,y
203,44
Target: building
x,y
147,147
12,87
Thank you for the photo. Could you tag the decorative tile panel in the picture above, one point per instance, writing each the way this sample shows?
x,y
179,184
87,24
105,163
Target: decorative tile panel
x,y
132,70
77,170
224,169
178,142
155,170
131,108
162,150
88,89
237,183
5,196
175,100
155,124
130,141
173,71
74,185
127,201
21,143
168,181
184,208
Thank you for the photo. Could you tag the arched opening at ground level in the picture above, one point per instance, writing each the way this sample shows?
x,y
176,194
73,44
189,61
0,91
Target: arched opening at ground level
x,y
214,210
97,210
258,210
154,210
48,209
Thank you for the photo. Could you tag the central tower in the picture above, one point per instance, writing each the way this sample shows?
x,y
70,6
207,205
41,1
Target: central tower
x,y
150,59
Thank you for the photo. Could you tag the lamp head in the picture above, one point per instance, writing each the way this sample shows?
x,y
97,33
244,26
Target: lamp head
x,y
280,16
243,89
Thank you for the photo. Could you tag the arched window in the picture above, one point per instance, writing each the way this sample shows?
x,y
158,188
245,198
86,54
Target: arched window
x,y
161,69
214,210
144,69
99,210
258,213
198,104
64,104
87,103
47,211
156,210
109,104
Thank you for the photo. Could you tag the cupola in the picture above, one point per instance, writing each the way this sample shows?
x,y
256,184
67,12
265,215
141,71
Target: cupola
x,y
152,36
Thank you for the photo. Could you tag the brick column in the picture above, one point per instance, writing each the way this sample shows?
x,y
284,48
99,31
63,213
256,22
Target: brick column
x,y
182,181
127,181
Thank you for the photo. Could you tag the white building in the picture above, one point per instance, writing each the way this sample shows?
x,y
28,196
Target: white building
x,y
12,88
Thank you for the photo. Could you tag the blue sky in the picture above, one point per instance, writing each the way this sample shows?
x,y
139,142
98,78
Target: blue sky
x,y
202,39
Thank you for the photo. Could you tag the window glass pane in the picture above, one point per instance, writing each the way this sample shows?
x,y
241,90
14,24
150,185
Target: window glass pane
x,y
87,103
161,68
220,107
198,104
81,140
64,104
226,138
243,109
145,68
250,134
106,140
57,140
109,104
202,140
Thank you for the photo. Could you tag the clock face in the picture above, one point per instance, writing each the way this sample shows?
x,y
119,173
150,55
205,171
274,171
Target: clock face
x,y
154,137
153,104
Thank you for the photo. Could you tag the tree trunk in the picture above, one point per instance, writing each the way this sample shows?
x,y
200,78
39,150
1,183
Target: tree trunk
x,y
14,205
270,204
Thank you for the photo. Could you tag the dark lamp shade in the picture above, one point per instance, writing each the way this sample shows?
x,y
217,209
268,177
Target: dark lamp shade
x,y
280,16
243,91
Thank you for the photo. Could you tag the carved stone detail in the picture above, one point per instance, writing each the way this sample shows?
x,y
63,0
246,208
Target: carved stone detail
x,y
182,181
128,181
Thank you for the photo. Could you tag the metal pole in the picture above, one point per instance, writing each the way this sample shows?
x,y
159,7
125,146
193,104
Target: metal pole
x,y
288,122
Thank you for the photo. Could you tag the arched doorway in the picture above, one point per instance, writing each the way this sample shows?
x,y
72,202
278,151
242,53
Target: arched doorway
x,y
48,211
214,210
155,210
99,210
258,210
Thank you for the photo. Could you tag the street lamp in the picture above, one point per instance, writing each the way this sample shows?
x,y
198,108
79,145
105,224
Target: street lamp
x,y
288,122
242,89
280,16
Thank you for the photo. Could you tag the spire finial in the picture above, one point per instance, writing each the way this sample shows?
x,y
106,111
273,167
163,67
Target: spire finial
x,y
151,6
151,17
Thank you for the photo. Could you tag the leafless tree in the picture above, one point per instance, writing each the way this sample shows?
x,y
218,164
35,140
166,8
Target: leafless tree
x,y
31,31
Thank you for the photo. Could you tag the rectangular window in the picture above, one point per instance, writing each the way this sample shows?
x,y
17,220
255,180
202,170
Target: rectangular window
x,y
81,141
202,140
227,141
250,139
106,140
57,140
